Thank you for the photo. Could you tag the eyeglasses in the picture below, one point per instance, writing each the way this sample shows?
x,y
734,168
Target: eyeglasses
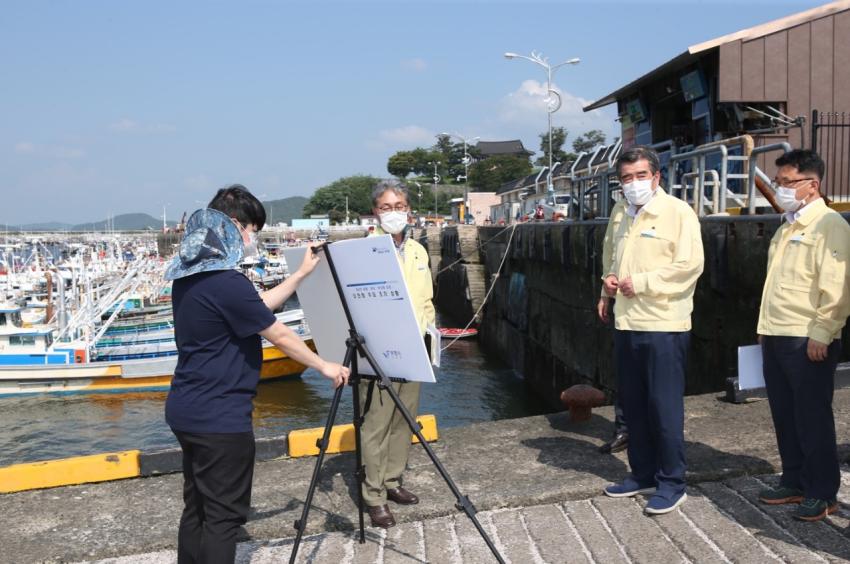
x,y
775,183
398,207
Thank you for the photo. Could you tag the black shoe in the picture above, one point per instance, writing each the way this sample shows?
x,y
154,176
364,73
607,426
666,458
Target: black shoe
x,y
381,516
401,496
815,509
618,443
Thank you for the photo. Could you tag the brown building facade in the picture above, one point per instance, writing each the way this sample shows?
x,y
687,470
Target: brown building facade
x,y
766,81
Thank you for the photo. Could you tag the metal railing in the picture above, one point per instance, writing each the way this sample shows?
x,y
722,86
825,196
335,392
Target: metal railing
x,y
831,139
751,176
698,156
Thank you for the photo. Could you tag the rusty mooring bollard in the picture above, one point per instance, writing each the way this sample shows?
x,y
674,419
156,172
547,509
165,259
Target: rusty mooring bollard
x,y
580,399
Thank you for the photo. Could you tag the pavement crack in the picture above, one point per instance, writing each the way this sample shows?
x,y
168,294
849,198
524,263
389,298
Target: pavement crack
x,y
535,554
494,535
664,534
617,541
577,535
701,534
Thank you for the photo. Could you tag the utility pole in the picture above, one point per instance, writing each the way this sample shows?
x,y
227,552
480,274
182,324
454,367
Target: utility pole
x,y
436,179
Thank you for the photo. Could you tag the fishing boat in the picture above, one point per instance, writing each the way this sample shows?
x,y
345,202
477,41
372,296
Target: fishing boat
x,y
31,363
450,333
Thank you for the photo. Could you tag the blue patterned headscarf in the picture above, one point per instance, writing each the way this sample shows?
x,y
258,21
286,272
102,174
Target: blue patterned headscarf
x,y
211,242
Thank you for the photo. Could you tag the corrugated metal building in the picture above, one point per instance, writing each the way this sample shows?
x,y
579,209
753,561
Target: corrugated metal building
x,y
788,79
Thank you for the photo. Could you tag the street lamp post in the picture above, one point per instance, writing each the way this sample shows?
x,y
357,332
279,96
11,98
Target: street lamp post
x,y
436,179
554,100
465,161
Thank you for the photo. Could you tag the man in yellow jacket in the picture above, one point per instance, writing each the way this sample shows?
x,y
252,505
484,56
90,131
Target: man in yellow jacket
x,y
657,260
804,305
385,434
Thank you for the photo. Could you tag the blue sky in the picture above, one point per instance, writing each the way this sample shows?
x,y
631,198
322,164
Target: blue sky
x,y
118,107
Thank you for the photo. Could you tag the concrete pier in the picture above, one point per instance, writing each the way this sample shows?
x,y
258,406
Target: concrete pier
x,y
536,480
541,316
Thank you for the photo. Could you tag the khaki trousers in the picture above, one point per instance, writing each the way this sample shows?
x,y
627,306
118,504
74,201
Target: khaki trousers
x,y
385,439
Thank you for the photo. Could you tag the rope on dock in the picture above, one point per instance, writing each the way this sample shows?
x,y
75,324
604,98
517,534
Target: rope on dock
x,y
492,284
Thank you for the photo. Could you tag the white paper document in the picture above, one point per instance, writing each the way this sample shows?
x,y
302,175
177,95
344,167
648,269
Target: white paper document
x,y
374,289
436,345
750,374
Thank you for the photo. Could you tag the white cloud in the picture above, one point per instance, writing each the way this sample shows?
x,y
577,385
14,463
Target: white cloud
x,y
524,110
124,124
67,152
49,151
128,125
407,136
529,102
199,183
162,128
414,65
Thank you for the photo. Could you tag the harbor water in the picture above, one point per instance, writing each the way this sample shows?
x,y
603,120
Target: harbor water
x,y
469,389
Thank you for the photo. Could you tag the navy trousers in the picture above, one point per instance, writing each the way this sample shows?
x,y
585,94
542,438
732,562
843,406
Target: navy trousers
x,y
651,375
217,473
800,395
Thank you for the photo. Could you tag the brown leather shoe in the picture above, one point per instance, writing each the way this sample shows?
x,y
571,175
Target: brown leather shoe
x,y
402,497
381,516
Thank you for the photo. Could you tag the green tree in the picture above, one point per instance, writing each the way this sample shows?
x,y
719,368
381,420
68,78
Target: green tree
x,y
401,164
330,199
588,140
559,137
451,154
488,174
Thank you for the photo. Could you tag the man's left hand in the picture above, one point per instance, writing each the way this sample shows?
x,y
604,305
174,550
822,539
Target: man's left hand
x,y
627,287
817,351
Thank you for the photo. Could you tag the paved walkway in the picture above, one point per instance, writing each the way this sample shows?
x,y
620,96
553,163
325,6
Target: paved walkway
x,y
720,522
536,481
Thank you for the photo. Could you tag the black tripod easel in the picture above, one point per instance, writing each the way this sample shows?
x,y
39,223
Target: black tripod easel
x,y
356,346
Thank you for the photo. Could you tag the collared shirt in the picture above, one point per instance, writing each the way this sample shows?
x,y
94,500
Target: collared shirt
x,y
661,250
806,290
791,217
634,210
417,276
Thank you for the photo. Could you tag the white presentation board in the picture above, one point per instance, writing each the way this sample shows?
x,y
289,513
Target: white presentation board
x,y
373,284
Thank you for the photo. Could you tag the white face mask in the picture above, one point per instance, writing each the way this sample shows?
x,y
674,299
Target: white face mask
x,y
638,192
393,222
251,248
787,199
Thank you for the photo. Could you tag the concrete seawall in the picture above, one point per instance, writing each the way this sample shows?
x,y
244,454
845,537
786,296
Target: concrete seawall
x,y
541,316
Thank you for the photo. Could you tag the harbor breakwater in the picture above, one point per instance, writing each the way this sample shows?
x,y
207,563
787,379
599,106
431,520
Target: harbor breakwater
x,y
541,315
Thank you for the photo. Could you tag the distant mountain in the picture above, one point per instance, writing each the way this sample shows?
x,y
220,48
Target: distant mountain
x,y
285,209
124,222
46,226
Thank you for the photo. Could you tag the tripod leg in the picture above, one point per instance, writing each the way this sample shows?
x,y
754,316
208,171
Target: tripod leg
x,y
463,502
301,524
359,472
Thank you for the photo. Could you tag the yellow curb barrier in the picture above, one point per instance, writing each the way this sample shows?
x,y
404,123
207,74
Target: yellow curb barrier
x,y
303,443
69,471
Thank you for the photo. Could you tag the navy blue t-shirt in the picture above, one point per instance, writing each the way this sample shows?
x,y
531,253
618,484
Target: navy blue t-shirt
x,y
217,318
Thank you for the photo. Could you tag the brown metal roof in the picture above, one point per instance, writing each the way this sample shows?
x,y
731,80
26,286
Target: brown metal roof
x,y
693,52
490,148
